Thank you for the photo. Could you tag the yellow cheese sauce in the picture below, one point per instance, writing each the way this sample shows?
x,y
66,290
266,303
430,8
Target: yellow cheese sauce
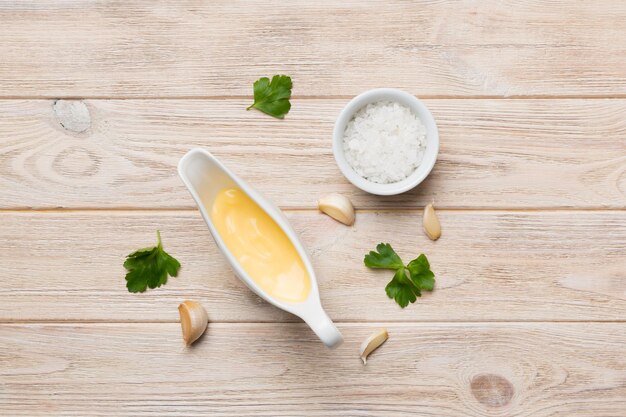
x,y
262,248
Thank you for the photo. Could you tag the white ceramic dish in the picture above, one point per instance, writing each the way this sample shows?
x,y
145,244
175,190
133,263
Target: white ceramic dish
x,y
205,177
432,140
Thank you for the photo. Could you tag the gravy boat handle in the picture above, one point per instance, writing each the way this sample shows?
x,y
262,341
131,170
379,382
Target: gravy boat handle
x,y
324,328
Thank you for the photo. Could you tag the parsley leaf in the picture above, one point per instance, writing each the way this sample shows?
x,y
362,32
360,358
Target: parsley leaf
x,y
149,267
385,258
408,281
420,272
401,289
272,97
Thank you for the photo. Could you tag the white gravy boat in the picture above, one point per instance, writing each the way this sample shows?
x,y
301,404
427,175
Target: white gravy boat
x,y
205,177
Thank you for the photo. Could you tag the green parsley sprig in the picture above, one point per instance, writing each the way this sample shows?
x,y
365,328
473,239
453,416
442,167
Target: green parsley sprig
x,y
149,267
272,97
409,280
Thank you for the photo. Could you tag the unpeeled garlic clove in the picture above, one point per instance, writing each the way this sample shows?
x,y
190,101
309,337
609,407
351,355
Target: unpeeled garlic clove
x,y
193,319
432,227
372,343
338,207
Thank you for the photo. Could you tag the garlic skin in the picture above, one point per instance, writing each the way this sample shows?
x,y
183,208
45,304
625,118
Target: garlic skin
x,y
338,207
372,343
193,319
432,227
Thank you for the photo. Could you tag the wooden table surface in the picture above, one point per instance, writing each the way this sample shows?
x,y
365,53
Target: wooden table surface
x,y
100,99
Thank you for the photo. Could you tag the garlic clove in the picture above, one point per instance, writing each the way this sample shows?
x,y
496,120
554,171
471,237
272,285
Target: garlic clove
x,y
338,207
193,319
372,343
432,227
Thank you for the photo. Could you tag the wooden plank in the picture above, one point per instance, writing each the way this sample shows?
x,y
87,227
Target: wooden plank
x,y
494,153
488,48
490,265
541,369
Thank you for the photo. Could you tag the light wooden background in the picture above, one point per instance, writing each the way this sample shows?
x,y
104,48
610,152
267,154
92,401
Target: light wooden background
x,y
99,100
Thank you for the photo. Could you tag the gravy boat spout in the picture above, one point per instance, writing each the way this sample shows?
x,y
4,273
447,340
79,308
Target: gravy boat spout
x,y
206,178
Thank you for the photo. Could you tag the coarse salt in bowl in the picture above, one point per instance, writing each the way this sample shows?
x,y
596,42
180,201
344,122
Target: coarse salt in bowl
x,y
380,155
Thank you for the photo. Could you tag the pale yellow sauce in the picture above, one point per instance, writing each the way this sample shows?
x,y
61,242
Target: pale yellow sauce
x,y
261,247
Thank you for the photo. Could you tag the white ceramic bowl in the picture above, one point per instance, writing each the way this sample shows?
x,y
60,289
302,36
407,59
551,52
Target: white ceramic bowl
x,y
432,140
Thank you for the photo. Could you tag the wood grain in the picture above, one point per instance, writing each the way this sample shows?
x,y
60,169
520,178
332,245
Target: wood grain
x,y
525,369
431,48
490,265
528,314
494,153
